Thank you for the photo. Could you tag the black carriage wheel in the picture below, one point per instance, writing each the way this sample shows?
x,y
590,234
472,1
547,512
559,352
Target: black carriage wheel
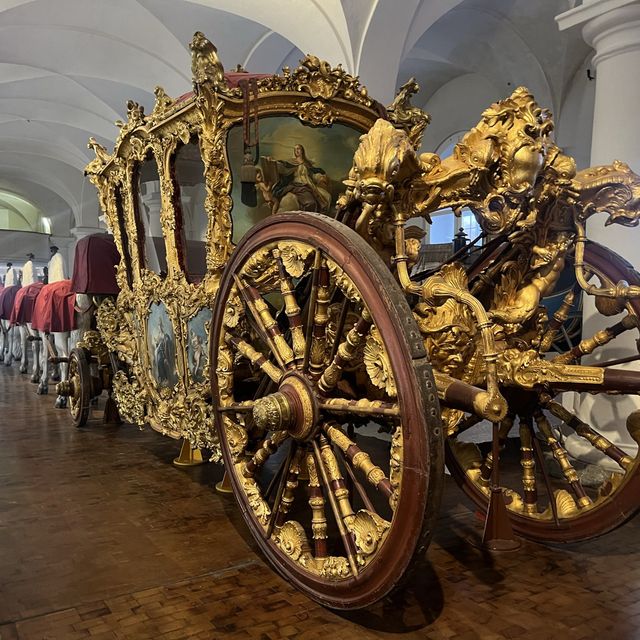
x,y
326,409
565,510
79,377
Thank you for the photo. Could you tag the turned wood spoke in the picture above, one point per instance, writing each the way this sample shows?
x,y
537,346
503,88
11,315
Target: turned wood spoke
x,y
268,447
319,317
362,407
588,433
528,464
537,449
290,486
276,478
317,503
342,318
359,459
266,323
255,357
239,407
346,352
284,476
598,339
338,497
503,431
559,318
348,465
292,310
311,308
562,458
612,363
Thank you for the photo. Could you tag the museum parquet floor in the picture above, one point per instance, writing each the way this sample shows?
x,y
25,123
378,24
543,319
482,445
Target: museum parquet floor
x,y
101,537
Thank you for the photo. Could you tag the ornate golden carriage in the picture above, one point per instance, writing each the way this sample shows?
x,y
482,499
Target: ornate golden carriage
x,y
331,377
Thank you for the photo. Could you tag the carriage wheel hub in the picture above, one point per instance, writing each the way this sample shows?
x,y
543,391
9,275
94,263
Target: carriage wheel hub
x,y
292,407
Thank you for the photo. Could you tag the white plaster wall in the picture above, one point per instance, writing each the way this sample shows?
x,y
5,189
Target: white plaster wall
x,y
574,123
457,106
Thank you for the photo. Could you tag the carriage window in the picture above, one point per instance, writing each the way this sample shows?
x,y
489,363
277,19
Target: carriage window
x,y
124,239
294,167
148,203
190,193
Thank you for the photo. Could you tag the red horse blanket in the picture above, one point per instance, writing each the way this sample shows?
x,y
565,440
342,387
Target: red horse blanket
x,y
94,266
7,298
53,310
24,303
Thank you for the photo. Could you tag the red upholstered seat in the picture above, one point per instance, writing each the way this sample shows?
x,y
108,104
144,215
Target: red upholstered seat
x,y
24,303
54,308
94,266
7,298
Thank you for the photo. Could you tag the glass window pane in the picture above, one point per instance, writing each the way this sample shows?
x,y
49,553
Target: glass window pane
x,y
442,228
148,201
191,190
470,225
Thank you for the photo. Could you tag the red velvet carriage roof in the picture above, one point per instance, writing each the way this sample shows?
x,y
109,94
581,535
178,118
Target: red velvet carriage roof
x,y
94,266
233,79
25,301
7,298
54,308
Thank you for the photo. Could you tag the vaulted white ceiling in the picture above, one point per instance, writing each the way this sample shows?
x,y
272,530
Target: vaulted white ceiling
x,y
67,67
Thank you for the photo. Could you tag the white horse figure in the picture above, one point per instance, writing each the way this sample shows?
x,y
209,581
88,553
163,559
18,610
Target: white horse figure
x,y
11,349
58,344
28,278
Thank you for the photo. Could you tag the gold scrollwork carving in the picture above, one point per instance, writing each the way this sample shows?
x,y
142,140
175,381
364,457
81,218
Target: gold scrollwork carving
x,y
317,112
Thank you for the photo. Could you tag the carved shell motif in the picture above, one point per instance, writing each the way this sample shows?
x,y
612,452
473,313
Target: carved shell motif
x,y
368,531
292,540
294,257
377,363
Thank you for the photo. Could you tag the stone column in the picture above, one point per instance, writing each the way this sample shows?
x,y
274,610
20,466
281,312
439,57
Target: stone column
x,y
612,28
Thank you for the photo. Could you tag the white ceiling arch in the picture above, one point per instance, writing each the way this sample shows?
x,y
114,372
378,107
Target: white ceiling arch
x,y
67,67
313,26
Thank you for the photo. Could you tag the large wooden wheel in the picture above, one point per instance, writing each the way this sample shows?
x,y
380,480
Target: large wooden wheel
x,y
79,383
326,409
550,496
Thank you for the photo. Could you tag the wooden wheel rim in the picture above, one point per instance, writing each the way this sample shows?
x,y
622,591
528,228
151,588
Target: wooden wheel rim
x,y
623,502
422,477
79,405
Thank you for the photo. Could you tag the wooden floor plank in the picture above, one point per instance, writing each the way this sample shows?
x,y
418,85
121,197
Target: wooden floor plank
x,y
101,537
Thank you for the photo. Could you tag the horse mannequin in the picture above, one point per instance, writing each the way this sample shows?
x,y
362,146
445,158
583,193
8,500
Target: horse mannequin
x,y
10,336
28,277
64,341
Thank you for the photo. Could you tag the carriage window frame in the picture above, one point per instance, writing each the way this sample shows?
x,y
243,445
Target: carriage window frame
x,y
122,230
180,234
141,227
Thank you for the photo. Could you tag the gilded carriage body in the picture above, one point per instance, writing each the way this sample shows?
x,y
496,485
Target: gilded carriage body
x,y
269,312
173,197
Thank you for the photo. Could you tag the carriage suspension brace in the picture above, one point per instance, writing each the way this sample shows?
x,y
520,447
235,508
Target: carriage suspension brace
x,y
622,290
435,291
